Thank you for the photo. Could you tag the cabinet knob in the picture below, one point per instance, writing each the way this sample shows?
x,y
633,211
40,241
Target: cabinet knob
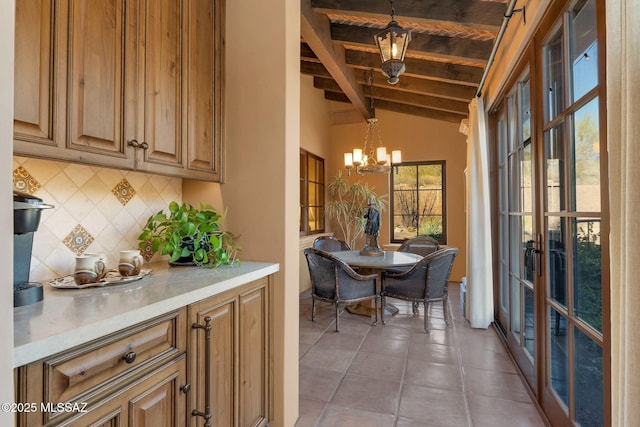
x,y
185,388
144,145
134,143
129,356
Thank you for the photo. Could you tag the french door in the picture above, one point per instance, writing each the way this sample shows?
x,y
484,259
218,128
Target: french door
x,y
519,236
552,218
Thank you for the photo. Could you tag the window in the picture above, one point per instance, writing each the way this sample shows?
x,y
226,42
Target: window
x,y
418,201
311,193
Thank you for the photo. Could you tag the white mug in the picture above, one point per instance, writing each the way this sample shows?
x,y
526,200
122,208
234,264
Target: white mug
x,y
89,269
101,255
130,263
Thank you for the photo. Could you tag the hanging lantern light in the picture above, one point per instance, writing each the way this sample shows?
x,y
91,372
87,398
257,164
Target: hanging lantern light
x,y
392,43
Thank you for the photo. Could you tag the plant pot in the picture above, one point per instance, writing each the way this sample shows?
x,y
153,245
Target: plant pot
x,y
188,242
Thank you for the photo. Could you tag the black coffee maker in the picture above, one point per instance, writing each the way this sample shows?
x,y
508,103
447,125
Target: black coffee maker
x,y
26,218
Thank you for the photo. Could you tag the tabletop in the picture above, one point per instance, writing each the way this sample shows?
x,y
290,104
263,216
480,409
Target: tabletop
x,y
389,260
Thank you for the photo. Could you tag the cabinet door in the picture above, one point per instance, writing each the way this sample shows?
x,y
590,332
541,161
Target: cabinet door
x,y
160,84
154,401
204,89
239,357
34,100
222,314
253,352
97,45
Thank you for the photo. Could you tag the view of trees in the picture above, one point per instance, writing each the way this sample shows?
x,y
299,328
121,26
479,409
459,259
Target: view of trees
x,y
418,201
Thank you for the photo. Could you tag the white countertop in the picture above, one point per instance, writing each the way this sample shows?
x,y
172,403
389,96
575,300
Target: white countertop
x,y
67,318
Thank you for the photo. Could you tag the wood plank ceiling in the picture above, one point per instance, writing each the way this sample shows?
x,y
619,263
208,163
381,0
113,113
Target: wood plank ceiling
x,y
451,42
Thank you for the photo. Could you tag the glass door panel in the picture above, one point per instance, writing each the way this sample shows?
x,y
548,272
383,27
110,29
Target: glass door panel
x,y
559,356
586,161
588,380
587,271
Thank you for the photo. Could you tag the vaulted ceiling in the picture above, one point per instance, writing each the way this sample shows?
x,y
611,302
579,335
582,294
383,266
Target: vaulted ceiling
x,y
451,43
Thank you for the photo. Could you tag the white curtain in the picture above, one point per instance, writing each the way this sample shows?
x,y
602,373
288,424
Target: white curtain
x,y
623,128
478,206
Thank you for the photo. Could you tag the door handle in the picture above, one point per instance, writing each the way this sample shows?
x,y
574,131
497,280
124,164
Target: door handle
x,y
206,415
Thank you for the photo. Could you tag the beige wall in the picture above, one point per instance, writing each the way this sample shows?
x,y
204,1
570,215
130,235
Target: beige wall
x,y
262,136
7,22
420,139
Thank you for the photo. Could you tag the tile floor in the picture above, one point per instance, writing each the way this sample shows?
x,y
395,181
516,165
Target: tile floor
x,y
396,375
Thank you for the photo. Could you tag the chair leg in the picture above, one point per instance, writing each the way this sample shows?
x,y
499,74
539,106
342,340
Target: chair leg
x,y
444,309
313,309
414,306
426,315
375,322
337,317
383,304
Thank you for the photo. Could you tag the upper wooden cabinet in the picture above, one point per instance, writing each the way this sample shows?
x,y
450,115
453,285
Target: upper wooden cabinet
x,y
124,84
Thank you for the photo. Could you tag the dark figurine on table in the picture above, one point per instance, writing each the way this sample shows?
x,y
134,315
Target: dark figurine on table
x,y
371,229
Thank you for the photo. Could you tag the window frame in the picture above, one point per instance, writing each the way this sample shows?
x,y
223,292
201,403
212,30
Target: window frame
x,y
442,163
305,182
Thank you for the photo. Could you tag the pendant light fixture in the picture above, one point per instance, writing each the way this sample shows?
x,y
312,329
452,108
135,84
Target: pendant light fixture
x,y
371,159
392,43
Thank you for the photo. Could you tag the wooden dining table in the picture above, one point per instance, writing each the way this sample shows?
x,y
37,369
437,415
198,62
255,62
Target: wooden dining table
x,y
367,264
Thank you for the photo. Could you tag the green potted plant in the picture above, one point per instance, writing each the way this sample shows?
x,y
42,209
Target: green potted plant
x,y
348,204
190,236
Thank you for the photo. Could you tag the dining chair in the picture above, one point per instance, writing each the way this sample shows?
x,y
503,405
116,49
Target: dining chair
x,y
421,245
330,244
425,282
332,280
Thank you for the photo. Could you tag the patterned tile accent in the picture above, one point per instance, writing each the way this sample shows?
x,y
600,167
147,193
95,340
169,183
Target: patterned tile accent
x,y
124,192
24,182
78,240
83,196
147,252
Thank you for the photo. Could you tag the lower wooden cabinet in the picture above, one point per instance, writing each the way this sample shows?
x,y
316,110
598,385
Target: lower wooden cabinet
x,y
110,377
208,361
237,357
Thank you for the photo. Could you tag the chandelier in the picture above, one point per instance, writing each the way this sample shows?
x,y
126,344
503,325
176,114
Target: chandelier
x,y
392,43
371,159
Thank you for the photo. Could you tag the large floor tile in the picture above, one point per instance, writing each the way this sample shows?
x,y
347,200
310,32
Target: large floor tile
x,y
436,406
386,346
377,366
435,375
489,360
318,383
433,353
310,411
327,358
368,393
342,340
490,412
501,385
340,416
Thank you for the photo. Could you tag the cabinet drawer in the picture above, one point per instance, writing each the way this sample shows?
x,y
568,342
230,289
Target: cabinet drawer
x,y
73,374
98,368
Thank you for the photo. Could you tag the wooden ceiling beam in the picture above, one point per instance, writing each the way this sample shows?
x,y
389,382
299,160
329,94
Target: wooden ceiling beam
x,y
408,98
443,71
424,86
404,109
445,47
406,83
315,30
478,14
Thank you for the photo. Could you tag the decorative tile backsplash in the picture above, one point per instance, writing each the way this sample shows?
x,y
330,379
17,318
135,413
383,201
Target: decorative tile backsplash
x,y
95,210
